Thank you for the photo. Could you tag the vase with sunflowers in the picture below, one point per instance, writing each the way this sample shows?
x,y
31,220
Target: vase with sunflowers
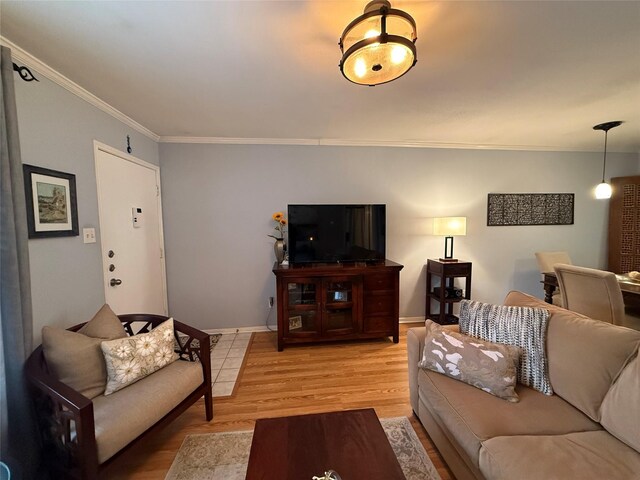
x,y
279,247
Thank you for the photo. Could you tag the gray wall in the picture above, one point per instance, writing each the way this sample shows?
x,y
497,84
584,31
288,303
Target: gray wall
x,y
57,130
218,201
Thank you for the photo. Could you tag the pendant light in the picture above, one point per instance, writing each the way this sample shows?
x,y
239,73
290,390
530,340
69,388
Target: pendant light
x,y
603,190
379,45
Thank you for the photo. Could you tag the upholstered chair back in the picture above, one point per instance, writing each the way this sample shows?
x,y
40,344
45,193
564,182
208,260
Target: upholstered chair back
x,y
595,293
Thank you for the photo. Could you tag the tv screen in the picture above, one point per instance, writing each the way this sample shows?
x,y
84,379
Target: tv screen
x,y
336,233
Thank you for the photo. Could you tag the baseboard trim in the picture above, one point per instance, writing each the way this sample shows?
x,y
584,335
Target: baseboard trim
x,y
274,328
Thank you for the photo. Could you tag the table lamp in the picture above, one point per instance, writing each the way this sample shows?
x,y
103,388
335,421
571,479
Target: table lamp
x,y
448,227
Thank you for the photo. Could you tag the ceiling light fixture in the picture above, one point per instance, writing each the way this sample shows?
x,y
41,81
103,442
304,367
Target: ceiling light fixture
x,y
379,45
603,190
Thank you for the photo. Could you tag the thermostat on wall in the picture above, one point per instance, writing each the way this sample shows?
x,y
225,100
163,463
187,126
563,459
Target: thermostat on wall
x,y
137,217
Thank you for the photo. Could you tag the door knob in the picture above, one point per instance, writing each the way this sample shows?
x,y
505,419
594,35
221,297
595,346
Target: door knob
x,y
115,281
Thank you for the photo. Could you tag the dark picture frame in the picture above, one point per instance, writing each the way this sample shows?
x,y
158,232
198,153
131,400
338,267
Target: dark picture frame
x,y
52,209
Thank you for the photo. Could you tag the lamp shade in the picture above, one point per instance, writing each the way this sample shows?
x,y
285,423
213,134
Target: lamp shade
x,y
603,190
450,226
379,45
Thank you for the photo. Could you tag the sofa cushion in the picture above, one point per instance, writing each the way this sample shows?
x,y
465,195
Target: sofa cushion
x,y
491,367
132,358
75,358
581,455
124,415
619,411
473,416
524,327
585,356
104,324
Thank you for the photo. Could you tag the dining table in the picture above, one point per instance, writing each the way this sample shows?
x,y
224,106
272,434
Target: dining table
x,y
630,289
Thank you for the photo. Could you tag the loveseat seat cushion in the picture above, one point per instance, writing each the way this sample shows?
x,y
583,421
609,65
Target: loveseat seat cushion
x,y
122,416
473,416
581,455
585,356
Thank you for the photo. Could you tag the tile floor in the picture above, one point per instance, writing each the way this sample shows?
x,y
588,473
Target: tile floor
x,y
226,359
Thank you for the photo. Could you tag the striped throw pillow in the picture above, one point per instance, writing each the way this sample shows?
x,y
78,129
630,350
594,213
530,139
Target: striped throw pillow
x,y
524,327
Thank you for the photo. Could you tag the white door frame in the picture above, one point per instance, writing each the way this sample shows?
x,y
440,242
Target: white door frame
x,y
97,147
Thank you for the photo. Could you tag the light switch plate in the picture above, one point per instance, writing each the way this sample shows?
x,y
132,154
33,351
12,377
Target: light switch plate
x,y
89,235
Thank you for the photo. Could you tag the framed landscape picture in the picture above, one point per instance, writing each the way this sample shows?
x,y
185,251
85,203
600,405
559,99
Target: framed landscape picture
x,y
52,209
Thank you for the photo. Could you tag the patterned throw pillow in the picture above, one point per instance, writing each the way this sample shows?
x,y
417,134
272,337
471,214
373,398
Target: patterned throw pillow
x,y
133,358
491,367
523,327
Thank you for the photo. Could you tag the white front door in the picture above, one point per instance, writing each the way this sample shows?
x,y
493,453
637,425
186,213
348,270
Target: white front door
x,y
130,232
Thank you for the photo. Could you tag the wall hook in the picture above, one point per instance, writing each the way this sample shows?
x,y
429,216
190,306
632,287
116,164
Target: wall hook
x,y
129,149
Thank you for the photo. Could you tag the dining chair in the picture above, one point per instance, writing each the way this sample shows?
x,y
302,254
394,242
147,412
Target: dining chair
x,y
546,261
595,293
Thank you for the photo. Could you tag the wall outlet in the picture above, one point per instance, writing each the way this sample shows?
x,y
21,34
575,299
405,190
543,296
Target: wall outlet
x,y
270,302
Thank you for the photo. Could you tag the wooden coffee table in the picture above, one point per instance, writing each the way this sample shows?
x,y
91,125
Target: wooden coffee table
x,y
352,443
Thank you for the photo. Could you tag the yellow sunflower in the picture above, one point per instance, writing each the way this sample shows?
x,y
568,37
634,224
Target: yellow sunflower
x,y
277,216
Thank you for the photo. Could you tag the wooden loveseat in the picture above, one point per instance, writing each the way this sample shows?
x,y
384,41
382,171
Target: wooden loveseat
x,y
81,436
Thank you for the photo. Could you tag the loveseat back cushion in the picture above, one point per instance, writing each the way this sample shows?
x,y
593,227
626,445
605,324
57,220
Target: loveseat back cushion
x,y
75,358
105,324
123,416
620,410
585,356
579,455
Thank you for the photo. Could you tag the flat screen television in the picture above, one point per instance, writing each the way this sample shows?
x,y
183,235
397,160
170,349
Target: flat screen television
x,y
336,233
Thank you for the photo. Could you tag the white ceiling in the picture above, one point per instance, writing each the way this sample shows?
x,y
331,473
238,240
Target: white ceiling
x,y
521,74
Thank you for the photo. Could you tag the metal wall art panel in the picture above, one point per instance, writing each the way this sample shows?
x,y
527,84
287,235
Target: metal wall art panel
x,y
505,209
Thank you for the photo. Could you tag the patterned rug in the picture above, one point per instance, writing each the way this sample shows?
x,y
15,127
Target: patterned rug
x,y
218,456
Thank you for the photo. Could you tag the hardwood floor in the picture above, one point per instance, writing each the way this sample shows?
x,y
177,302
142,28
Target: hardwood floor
x,y
304,379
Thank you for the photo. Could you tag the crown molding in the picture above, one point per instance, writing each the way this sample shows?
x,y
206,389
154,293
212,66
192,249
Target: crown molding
x,y
240,140
22,56
336,142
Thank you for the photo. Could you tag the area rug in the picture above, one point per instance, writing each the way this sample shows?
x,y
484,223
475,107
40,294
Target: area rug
x,y
218,456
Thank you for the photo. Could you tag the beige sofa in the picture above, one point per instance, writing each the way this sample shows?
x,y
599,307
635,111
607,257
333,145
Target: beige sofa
x,y
589,429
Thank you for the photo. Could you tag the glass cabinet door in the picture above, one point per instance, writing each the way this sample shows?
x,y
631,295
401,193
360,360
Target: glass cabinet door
x,y
302,300
339,315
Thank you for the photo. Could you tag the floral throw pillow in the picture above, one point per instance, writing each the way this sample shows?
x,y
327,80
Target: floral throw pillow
x,y
133,358
491,367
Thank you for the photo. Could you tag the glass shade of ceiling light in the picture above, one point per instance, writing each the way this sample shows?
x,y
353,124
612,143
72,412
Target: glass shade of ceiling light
x,y
603,190
379,45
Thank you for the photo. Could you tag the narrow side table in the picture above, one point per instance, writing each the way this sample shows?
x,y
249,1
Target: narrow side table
x,y
447,272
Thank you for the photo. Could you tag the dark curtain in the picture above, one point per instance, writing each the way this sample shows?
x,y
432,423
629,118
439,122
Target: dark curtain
x,y
17,436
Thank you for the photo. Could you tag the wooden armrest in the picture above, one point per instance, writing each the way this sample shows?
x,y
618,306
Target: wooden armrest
x,y
65,415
